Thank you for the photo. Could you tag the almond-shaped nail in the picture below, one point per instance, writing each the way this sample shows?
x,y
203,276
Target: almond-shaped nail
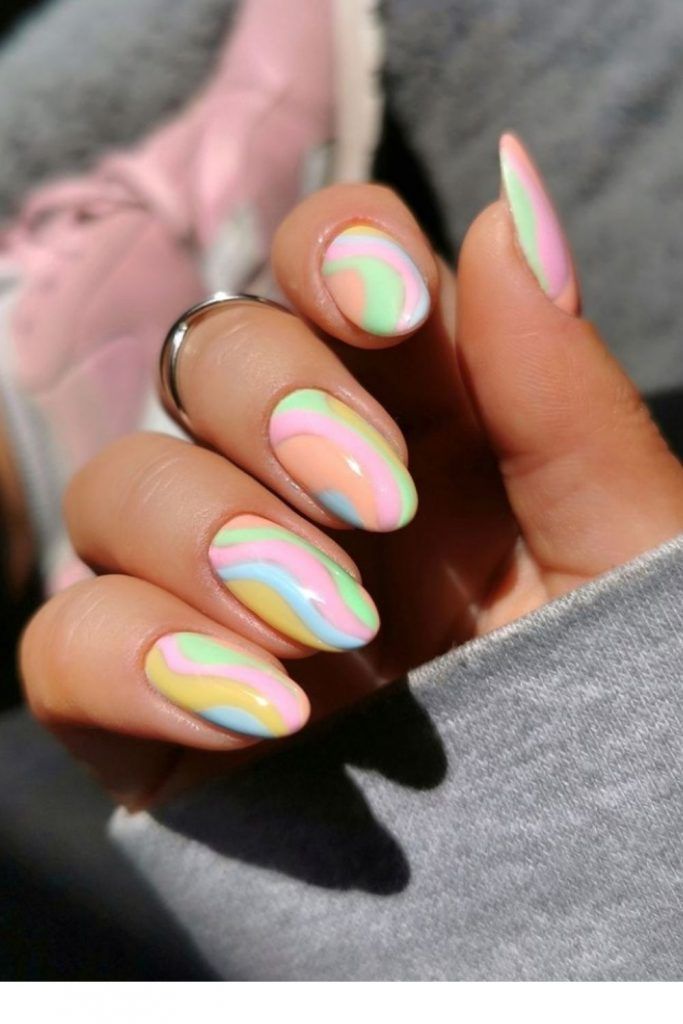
x,y
342,461
374,282
226,686
539,231
293,585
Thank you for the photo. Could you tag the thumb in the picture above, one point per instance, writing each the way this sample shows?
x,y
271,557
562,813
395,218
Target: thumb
x,y
588,475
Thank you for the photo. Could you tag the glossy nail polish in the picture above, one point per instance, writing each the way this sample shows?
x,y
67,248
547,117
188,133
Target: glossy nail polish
x,y
537,225
226,686
374,282
342,461
292,585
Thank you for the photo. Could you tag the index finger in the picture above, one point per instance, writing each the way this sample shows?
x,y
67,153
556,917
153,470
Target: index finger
x,y
353,259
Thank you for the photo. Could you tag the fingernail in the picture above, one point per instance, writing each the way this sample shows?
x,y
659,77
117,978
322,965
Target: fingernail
x,y
538,228
341,461
292,585
374,282
225,686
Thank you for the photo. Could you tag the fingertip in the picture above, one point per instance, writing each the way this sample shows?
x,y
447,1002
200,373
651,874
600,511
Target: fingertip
x,y
494,281
120,655
352,259
539,235
574,440
527,362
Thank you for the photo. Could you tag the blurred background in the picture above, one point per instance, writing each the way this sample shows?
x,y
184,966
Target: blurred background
x,y
55,863
13,10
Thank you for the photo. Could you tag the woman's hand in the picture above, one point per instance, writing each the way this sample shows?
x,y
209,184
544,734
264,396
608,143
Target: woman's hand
x,y
536,465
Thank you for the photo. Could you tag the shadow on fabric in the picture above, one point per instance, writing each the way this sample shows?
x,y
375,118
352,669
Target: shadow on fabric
x,y
667,411
300,811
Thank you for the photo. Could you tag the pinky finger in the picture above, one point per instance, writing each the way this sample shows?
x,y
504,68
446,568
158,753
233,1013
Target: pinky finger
x,y
120,655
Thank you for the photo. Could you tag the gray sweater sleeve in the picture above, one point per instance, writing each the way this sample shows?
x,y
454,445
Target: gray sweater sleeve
x,y
513,811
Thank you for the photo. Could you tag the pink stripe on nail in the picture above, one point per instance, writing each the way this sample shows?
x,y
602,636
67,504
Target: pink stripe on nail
x,y
307,570
275,689
389,252
289,424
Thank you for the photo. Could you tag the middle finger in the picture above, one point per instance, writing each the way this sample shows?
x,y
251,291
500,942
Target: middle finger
x,y
187,520
260,387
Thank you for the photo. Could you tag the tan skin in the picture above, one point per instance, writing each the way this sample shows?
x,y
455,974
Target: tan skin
x,y
536,464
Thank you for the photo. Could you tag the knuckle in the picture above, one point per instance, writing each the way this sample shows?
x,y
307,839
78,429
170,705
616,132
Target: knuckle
x,y
149,483
209,351
133,473
58,636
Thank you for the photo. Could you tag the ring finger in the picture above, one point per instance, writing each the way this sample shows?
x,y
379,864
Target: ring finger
x,y
188,521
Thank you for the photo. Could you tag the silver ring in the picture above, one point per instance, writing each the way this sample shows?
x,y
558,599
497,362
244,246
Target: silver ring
x,y
173,343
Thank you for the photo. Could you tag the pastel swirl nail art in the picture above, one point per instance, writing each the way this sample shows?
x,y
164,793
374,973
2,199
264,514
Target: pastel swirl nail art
x,y
227,687
374,282
539,231
292,585
342,461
